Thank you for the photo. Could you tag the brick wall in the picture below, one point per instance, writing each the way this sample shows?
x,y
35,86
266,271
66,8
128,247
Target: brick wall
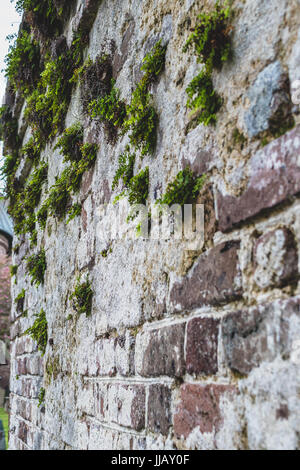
x,y
182,350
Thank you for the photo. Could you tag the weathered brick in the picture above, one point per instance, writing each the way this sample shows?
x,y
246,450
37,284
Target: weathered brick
x,y
21,366
161,352
199,406
215,278
261,334
23,431
276,259
159,409
202,346
126,406
274,175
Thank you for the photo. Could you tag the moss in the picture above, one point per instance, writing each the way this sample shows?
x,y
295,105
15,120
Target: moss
x,y
41,397
105,253
10,166
46,15
13,270
39,331
33,189
238,138
36,267
94,79
137,189
48,104
32,150
184,189
212,44
109,109
23,203
154,62
82,157
71,142
141,120
19,300
203,99
125,168
82,297
58,200
52,368
211,37
23,63
75,211
42,216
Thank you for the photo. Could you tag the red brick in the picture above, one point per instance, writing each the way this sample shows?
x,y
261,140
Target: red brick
x,y
200,407
276,259
163,352
202,346
214,279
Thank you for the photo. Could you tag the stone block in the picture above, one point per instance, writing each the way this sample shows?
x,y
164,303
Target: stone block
x,y
214,279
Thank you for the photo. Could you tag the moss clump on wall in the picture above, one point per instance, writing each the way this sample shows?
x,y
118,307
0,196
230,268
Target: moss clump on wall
x,y
32,149
212,45
211,37
39,331
41,397
125,168
33,189
46,15
19,301
154,62
13,270
136,190
82,157
71,142
82,297
184,189
94,79
74,211
25,201
36,267
141,120
23,63
109,109
203,99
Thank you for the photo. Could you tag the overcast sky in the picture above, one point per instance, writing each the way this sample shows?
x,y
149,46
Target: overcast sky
x,y
9,24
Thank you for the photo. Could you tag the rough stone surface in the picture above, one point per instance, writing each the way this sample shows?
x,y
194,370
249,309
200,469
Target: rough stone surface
x,y
276,259
259,335
199,407
215,278
274,175
159,409
161,352
269,100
